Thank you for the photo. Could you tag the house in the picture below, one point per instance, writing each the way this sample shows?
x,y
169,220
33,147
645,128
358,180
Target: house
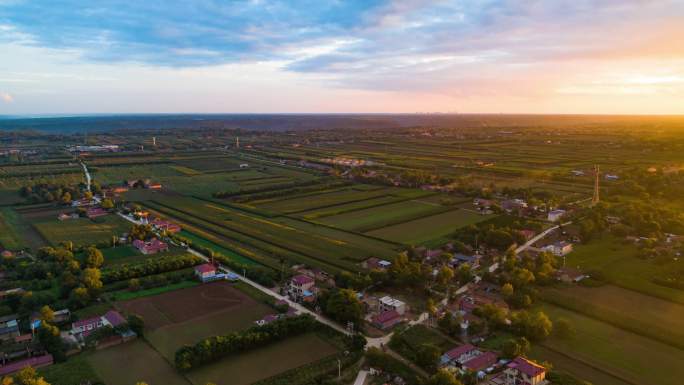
x,y
168,226
34,362
459,355
83,328
480,362
577,172
387,319
569,275
95,212
65,216
7,254
511,205
559,248
376,264
155,186
555,215
9,327
430,254
472,260
527,234
301,287
244,165
522,371
205,272
151,247
388,303
612,177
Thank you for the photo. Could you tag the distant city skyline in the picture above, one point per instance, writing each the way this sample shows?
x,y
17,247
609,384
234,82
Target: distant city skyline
x,y
471,56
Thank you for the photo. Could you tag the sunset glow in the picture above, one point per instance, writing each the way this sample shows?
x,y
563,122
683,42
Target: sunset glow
x,y
603,57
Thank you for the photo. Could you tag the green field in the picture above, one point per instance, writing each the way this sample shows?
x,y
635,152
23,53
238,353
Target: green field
x,y
75,371
124,295
168,339
286,237
615,351
382,216
249,367
83,231
197,240
133,362
618,261
658,319
431,230
305,202
9,237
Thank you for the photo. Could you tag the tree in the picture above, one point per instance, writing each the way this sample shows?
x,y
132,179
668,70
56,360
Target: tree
x,y
564,329
107,204
47,314
94,257
516,347
445,275
91,279
507,290
137,324
79,296
29,376
134,284
88,195
443,377
66,198
465,273
427,356
344,306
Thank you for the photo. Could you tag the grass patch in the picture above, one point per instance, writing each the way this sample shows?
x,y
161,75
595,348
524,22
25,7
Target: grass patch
x,y
429,230
247,368
132,362
75,371
616,351
127,294
619,263
83,231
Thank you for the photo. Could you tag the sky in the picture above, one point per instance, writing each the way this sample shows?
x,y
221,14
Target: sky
x,y
260,56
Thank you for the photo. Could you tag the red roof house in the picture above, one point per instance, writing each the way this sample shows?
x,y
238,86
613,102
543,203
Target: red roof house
x,y
34,362
386,320
526,372
152,247
481,362
459,355
205,271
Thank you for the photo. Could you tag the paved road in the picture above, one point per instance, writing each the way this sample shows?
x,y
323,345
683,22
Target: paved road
x,y
87,175
361,377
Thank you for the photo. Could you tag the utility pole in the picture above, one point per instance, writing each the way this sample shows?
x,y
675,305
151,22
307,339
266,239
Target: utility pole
x,y
595,198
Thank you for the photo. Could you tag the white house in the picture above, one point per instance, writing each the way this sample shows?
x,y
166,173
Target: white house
x,y
555,215
388,303
559,248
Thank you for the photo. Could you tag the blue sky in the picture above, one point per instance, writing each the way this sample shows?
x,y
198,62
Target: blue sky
x,y
606,56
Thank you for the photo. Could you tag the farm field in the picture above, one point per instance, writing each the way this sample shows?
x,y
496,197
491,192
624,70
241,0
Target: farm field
x,y
133,362
615,351
430,230
9,237
249,367
82,231
187,315
618,261
310,201
287,237
659,319
197,240
382,216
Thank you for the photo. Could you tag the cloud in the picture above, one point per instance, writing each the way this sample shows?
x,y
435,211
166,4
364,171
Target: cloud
x,y
7,98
